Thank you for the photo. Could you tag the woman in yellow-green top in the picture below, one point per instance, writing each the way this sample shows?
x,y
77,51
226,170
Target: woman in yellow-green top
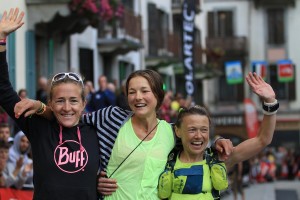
x,y
193,126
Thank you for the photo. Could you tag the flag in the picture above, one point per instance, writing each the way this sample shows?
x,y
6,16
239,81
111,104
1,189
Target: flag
x,y
285,71
234,73
260,68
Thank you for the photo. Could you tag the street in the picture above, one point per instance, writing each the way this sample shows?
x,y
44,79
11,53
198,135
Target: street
x,y
278,190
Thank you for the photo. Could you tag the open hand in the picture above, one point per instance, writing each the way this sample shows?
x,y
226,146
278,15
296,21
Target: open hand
x,y
260,87
11,22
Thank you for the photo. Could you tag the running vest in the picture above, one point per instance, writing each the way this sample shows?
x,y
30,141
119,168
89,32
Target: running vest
x,y
190,180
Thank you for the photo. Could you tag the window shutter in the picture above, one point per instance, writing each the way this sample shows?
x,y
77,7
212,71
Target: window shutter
x,y
12,58
30,64
210,25
152,28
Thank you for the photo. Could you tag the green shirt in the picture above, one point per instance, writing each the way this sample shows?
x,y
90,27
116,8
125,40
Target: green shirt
x,y
137,178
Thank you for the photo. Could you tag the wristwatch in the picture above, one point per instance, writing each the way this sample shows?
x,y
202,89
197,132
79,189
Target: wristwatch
x,y
270,108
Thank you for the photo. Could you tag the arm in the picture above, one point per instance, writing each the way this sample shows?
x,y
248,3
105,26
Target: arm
x,y
251,147
8,24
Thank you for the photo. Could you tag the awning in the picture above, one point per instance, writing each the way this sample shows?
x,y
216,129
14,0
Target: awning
x,y
117,45
63,26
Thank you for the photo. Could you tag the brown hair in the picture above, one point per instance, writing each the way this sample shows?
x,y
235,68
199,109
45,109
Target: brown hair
x,y
155,81
4,125
194,110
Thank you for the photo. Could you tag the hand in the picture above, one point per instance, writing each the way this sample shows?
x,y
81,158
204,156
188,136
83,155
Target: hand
x,y
260,87
224,148
26,106
19,162
106,186
27,169
11,22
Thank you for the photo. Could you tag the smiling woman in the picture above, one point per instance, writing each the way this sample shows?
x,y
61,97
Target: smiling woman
x,y
65,159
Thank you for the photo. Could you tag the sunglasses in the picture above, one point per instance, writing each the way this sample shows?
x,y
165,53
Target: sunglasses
x,y
63,75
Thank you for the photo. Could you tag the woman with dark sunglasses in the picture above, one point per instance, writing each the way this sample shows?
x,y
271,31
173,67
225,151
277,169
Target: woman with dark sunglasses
x,y
65,151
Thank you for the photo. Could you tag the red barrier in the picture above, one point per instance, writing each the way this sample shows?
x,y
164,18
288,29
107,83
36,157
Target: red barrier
x,y
13,194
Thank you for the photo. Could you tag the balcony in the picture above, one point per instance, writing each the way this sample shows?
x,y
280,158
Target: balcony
x,y
132,24
274,3
231,45
221,49
129,25
175,47
121,37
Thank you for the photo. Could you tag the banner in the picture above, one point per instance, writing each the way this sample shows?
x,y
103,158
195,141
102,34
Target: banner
x,y
260,68
188,16
285,71
234,73
251,118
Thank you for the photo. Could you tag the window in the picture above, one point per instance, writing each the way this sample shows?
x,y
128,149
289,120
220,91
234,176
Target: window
x,y
275,21
220,24
284,91
158,23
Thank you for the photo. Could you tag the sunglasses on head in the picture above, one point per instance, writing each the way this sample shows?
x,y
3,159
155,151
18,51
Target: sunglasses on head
x,y
63,75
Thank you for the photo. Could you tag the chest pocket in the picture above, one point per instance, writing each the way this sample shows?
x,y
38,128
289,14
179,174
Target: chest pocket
x,y
188,180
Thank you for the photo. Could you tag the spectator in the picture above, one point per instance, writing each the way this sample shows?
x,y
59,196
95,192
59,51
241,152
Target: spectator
x,y
41,93
19,164
121,100
6,179
89,91
111,86
103,97
165,111
5,134
22,93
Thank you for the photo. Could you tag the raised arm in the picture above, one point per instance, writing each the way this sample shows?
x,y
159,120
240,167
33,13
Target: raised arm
x,y
9,23
253,146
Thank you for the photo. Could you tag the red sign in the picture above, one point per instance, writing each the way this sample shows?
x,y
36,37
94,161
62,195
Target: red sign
x,y
251,118
285,71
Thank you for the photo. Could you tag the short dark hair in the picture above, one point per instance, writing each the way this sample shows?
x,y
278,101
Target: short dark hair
x,y
4,125
4,145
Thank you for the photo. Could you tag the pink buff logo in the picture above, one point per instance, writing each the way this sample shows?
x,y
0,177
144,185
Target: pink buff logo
x,y
68,159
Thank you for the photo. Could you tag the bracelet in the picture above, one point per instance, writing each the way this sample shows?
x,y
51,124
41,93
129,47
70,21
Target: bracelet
x,y
42,109
270,108
218,138
3,42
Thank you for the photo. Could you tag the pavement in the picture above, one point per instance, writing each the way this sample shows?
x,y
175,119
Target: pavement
x,y
277,190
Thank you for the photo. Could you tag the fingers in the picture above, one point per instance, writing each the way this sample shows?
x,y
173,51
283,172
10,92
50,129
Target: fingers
x,y
26,107
106,186
4,16
224,146
20,18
